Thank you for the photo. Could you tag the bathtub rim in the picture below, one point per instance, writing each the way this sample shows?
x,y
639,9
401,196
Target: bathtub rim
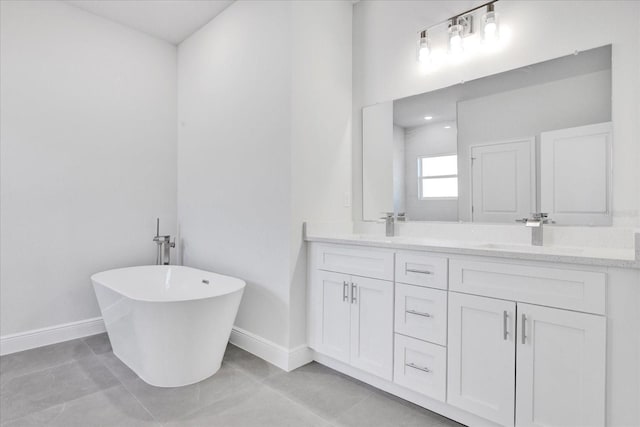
x,y
241,285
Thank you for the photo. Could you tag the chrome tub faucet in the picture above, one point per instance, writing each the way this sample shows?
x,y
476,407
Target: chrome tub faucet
x,y
165,244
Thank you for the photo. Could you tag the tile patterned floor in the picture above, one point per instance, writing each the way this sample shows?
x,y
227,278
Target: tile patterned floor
x,y
81,383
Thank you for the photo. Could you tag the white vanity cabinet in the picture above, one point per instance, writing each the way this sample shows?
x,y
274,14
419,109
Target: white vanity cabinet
x,y
553,358
420,355
352,316
482,358
560,378
479,339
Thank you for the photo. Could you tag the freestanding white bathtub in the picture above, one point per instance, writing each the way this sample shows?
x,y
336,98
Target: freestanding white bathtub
x,y
170,324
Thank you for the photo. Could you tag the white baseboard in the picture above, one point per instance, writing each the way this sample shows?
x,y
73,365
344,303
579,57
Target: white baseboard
x,y
271,352
52,335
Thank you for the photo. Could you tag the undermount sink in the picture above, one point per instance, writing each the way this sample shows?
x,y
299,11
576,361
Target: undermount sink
x,y
529,248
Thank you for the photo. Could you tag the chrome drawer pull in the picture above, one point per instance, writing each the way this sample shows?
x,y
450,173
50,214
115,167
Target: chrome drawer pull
x,y
418,313
419,368
411,270
505,318
354,290
345,291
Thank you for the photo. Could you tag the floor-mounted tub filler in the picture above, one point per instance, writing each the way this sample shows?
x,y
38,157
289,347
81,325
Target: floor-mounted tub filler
x,y
170,324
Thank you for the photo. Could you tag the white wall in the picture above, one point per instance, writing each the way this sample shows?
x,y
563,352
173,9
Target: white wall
x,y
428,140
88,137
264,144
526,112
320,133
385,68
234,109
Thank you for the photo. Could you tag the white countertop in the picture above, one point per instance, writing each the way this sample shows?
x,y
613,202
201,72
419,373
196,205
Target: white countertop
x,y
608,257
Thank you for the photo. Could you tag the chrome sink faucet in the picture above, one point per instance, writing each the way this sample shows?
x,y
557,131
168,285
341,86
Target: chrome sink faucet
x,y
536,222
164,246
389,222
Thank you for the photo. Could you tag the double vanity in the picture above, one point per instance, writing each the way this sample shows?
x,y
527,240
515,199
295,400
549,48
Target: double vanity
x,y
470,320
485,335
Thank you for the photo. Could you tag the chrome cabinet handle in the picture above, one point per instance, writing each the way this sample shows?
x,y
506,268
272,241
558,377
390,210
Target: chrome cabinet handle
x,y
505,318
345,291
411,270
354,289
418,313
524,329
419,368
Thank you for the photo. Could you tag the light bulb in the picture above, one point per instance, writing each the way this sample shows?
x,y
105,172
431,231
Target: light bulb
x,y
455,39
424,49
490,25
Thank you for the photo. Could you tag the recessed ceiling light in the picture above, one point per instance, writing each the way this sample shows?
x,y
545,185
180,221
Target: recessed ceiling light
x,y
428,117
447,127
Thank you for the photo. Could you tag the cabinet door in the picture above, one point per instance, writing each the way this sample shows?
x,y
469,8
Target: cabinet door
x,y
482,356
331,305
561,368
372,326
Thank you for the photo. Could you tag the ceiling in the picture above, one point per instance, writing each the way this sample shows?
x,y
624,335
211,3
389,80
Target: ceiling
x,y
441,104
169,20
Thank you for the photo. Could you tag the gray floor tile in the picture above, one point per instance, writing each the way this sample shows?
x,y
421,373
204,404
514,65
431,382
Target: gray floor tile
x,y
320,389
256,407
111,407
37,359
43,389
99,344
249,364
384,410
94,387
167,404
117,367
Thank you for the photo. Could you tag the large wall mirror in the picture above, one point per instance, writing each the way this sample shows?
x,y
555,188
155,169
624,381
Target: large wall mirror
x,y
496,149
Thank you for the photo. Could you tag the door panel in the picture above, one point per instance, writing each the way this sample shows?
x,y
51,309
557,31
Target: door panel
x,y
561,368
503,183
575,172
332,334
481,356
372,326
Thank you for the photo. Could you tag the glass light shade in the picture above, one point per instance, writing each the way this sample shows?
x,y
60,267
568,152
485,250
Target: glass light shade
x,y
490,26
424,48
455,39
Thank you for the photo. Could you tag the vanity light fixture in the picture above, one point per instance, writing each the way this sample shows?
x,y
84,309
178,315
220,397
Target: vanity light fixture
x,y
459,34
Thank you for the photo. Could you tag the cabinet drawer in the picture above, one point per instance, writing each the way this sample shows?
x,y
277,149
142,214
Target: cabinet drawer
x,y
421,313
421,367
415,268
555,287
374,263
